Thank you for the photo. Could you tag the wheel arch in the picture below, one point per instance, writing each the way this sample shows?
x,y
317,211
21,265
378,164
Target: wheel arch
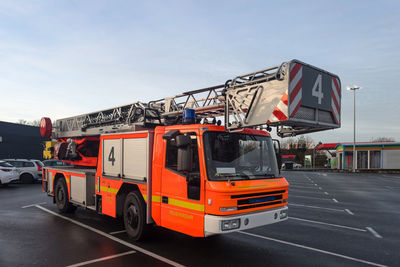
x,y
26,172
57,177
125,189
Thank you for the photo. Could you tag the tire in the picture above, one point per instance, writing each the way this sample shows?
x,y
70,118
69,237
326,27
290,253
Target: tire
x,y
135,216
61,197
26,178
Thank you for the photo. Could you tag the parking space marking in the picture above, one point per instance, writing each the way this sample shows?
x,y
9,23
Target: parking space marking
x,y
335,200
326,193
349,212
330,224
32,205
117,232
313,249
102,259
298,186
142,250
301,196
317,207
372,231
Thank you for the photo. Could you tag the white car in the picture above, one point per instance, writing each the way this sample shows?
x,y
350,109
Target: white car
x,y
8,173
30,169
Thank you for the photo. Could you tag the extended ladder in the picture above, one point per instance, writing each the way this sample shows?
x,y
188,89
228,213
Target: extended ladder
x,y
295,97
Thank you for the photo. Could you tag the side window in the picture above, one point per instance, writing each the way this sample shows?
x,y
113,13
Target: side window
x,y
172,155
18,164
28,164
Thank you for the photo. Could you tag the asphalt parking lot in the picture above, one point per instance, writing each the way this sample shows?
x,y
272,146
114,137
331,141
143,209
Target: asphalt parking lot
x,y
335,219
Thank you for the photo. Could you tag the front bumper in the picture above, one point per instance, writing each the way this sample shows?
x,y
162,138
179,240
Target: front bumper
x,y
213,224
10,179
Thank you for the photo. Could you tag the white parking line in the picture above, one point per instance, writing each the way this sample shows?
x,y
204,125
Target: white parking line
x,y
372,231
316,207
117,232
102,259
301,196
32,205
330,224
313,249
298,186
320,188
326,193
335,200
142,250
349,212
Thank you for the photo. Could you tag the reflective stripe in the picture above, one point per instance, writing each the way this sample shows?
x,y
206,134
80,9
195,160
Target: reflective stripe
x,y
109,190
178,203
185,204
153,198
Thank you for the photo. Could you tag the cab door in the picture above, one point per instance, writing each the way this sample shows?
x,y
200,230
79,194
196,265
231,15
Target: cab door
x,y
182,197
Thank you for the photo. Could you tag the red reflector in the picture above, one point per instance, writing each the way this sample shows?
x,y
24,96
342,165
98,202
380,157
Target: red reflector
x,y
5,170
45,127
39,168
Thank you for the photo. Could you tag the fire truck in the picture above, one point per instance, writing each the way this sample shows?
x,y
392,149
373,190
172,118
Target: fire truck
x,y
202,162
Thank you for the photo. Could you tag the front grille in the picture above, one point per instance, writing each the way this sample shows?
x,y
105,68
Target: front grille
x,y
256,200
258,194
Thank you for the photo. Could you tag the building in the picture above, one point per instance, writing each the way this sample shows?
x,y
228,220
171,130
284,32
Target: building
x,y
370,155
20,141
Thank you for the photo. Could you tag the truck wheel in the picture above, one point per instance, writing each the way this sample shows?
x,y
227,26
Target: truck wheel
x,y
61,196
26,178
135,216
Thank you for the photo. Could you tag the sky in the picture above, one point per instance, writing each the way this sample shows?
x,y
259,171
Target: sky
x,y
65,58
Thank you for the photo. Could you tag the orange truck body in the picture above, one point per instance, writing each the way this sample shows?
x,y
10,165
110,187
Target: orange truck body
x,y
165,191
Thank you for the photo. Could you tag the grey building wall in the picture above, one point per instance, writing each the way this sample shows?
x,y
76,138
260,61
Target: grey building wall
x,y
20,141
391,159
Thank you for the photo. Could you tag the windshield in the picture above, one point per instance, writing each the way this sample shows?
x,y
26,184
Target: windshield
x,y
236,156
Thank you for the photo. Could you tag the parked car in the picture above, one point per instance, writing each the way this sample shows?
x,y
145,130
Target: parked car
x,y
297,166
30,169
8,173
55,162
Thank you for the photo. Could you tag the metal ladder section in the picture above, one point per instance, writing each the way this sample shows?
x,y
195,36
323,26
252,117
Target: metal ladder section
x,y
235,101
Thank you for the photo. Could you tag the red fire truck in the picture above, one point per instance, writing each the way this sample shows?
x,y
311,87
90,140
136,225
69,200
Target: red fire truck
x,y
171,163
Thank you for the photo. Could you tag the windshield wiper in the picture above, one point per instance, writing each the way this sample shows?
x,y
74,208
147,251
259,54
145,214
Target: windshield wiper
x,y
235,175
269,175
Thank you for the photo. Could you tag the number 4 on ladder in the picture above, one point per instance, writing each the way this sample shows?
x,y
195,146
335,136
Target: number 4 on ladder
x,y
317,89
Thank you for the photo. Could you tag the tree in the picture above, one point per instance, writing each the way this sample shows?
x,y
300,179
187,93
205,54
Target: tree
x,y
299,147
31,123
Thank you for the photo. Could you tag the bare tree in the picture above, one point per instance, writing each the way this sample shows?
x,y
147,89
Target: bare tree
x,y
299,147
31,123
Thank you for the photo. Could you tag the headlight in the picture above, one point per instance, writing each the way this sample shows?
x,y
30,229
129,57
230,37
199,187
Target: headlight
x,y
230,224
227,208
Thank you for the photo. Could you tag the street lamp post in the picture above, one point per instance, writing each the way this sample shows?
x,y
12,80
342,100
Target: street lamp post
x,y
354,88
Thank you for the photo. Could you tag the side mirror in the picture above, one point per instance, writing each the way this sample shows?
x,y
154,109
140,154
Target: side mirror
x,y
185,155
279,161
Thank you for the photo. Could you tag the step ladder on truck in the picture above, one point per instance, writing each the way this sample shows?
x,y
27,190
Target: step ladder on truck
x,y
171,163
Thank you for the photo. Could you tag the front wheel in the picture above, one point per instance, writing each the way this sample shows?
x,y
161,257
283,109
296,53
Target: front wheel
x,y
135,216
27,178
61,196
